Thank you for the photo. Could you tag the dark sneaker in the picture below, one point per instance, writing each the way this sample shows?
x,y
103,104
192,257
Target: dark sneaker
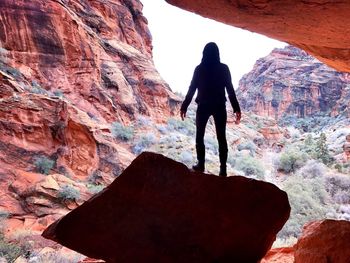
x,y
198,168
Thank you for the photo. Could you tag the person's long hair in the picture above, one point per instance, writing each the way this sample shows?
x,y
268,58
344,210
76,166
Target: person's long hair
x,y
211,55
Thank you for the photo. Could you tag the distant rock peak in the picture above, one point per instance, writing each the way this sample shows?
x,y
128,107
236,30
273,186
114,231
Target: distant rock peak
x,y
289,83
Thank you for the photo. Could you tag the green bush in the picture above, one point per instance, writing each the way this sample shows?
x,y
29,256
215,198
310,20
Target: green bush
x,y
321,150
9,250
211,143
68,193
3,54
186,126
308,200
338,187
291,160
94,189
44,165
4,214
186,157
247,146
58,93
250,166
313,169
121,132
143,142
143,121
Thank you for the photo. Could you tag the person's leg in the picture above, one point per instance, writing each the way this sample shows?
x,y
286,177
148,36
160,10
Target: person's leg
x,y
220,119
202,116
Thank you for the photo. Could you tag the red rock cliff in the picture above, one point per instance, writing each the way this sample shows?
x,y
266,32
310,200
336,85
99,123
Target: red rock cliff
x,y
98,53
68,69
290,82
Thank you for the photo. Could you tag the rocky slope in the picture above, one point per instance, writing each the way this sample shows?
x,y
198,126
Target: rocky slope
x,y
68,69
317,26
288,82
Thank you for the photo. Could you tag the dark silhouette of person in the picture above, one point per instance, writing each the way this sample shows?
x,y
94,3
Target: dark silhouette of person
x,y
210,79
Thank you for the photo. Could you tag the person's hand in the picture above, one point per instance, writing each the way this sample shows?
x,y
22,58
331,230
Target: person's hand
x,y
238,118
183,114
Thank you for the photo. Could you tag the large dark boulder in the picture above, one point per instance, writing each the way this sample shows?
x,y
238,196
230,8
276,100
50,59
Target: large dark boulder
x,y
160,211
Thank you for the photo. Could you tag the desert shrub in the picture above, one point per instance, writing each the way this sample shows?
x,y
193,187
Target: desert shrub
x,y
250,166
143,142
290,160
294,133
259,141
58,93
308,199
95,188
68,193
309,145
11,71
307,124
162,129
170,140
9,250
37,89
338,187
184,126
312,169
211,143
232,159
143,121
343,167
4,214
186,157
43,164
247,146
121,132
191,112
3,54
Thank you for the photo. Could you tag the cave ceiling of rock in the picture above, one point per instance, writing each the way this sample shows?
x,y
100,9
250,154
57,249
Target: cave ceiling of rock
x,y
319,27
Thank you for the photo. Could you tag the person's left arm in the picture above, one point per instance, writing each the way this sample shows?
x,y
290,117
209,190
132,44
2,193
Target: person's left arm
x,y
232,95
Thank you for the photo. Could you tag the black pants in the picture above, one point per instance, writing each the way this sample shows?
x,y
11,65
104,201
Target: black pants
x,y
204,111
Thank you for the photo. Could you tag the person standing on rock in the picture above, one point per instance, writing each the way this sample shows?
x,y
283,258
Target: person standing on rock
x,y
210,78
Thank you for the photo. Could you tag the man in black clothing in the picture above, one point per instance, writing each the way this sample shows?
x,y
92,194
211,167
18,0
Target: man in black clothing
x,y
211,78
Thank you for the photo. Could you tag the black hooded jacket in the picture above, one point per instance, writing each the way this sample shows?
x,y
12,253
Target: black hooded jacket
x,y
211,80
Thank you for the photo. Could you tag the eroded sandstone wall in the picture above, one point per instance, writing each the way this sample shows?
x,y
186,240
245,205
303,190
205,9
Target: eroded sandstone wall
x,y
289,82
68,69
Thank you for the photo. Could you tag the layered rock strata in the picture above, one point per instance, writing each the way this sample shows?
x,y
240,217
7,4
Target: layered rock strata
x,y
289,82
68,70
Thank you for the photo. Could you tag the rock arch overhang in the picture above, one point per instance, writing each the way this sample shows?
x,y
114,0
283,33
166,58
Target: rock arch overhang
x,y
320,27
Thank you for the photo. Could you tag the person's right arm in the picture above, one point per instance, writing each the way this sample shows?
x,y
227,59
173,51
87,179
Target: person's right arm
x,y
189,95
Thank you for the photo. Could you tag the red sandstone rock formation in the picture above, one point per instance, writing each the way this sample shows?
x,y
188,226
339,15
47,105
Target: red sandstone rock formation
x,y
318,26
279,255
288,82
97,53
324,241
68,69
159,211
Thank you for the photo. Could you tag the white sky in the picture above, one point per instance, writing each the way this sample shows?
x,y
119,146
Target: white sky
x,y
180,36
